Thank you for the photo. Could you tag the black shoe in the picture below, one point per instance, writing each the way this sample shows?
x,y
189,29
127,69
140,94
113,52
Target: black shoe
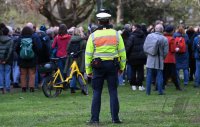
x,y
23,89
178,89
117,121
161,94
84,92
16,85
2,91
91,122
32,89
72,90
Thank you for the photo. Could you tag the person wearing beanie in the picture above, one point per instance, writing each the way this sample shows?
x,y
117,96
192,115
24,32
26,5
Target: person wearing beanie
x,y
170,62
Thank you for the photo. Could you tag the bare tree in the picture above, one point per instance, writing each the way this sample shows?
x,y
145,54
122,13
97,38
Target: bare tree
x,y
69,12
120,17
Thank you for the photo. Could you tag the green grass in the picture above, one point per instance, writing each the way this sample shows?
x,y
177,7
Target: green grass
x,y
175,109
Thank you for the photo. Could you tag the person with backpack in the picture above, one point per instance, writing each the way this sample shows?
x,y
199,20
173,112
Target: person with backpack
x,y
156,48
27,51
182,55
170,62
136,57
196,49
6,54
76,46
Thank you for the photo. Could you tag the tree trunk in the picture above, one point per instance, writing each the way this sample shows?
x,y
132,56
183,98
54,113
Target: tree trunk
x,y
120,17
58,12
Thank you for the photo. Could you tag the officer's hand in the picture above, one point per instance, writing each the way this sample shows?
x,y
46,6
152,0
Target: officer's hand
x,y
90,75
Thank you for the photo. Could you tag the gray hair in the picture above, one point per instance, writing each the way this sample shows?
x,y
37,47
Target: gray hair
x,y
159,28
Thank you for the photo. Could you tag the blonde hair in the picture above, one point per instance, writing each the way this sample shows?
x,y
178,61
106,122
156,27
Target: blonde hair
x,y
78,31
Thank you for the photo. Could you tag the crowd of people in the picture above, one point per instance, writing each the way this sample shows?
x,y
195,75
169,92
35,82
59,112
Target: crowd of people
x,y
19,70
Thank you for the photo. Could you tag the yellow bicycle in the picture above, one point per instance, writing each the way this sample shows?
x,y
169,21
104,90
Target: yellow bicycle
x,y
54,83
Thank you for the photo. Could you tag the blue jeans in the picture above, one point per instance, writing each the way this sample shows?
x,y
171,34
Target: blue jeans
x,y
108,72
73,82
197,73
128,72
15,72
120,79
5,71
61,65
185,74
159,80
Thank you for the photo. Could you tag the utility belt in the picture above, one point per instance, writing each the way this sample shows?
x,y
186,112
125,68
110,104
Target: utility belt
x,y
97,62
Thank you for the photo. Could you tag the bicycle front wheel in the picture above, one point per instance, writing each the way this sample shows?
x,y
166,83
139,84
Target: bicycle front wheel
x,y
83,85
48,87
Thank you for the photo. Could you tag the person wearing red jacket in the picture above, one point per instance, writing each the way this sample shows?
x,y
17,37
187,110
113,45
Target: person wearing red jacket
x,y
60,42
170,61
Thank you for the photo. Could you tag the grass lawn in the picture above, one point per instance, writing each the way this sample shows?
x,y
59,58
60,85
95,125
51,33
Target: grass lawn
x,y
175,109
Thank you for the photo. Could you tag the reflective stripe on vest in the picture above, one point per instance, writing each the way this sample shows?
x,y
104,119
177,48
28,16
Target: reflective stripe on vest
x,y
110,40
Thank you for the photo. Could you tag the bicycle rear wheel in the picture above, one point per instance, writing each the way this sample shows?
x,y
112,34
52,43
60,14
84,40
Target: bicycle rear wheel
x,y
83,85
48,87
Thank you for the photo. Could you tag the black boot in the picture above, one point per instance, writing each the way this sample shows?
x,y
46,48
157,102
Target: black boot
x,y
32,89
2,90
16,85
72,90
23,89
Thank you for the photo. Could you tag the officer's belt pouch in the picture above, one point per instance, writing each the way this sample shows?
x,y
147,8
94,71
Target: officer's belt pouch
x,y
96,63
116,63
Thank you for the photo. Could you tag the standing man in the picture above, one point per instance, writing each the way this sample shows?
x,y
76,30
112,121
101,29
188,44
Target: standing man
x,y
105,57
156,48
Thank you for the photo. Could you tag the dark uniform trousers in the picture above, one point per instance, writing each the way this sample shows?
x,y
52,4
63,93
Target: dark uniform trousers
x,y
109,72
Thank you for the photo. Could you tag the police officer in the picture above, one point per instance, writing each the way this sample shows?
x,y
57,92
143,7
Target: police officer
x,y
105,57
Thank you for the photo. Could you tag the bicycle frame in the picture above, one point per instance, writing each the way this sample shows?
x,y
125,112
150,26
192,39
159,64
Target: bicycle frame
x,y
56,75
73,69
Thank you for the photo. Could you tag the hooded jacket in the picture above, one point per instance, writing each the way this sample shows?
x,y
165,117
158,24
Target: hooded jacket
x,y
60,42
134,48
6,49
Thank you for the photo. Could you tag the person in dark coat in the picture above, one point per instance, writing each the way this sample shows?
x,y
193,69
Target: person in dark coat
x,y
191,34
136,56
6,51
27,66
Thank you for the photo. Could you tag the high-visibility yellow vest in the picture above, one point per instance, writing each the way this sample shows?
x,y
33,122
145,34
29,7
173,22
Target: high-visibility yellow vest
x,y
106,44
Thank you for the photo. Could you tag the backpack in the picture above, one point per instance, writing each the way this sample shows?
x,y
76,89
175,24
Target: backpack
x,y
26,51
151,44
172,45
180,43
74,46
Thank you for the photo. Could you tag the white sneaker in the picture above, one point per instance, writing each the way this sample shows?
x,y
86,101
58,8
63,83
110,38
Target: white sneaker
x,y
123,81
141,88
134,88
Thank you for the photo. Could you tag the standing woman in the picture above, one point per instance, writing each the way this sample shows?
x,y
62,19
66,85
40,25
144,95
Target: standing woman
x,y
60,42
6,49
27,65
182,60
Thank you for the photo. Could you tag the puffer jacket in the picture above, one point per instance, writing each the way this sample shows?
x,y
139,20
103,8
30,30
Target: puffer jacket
x,y
6,49
134,48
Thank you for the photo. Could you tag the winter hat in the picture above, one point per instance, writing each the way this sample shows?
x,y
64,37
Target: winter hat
x,y
43,28
169,28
